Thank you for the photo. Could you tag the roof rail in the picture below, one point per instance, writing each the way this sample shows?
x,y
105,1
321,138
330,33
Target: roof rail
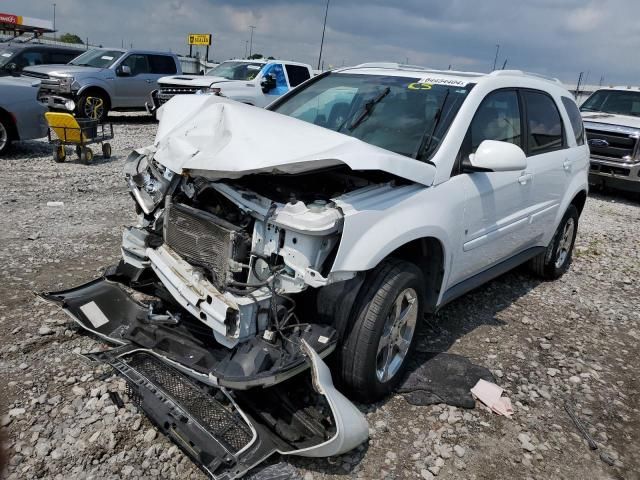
x,y
520,73
402,66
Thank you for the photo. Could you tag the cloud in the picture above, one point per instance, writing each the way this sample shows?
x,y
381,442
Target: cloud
x,y
558,38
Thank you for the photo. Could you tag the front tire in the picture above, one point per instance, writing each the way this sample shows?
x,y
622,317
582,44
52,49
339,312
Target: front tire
x,y
555,260
5,135
375,352
94,106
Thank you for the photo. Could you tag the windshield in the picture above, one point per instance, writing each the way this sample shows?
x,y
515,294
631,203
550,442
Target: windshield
x,y
5,56
97,58
236,70
401,114
613,101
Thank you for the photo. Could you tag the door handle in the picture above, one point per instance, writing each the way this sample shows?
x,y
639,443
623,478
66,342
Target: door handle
x,y
567,164
525,178
149,81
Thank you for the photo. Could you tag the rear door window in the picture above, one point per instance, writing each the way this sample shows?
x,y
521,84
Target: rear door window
x,y
163,64
575,118
297,74
545,132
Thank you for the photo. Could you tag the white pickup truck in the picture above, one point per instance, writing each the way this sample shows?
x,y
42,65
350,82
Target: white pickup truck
x,y
254,82
612,121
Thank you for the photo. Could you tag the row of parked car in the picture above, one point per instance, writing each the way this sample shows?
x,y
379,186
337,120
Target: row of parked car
x,y
101,80
97,81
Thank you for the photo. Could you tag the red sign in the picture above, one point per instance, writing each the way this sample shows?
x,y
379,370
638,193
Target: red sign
x,y
9,18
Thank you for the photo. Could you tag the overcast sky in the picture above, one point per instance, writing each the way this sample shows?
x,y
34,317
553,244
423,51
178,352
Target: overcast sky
x,y
552,37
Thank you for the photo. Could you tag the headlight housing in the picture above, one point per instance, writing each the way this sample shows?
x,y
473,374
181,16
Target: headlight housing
x,y
210,91
65,84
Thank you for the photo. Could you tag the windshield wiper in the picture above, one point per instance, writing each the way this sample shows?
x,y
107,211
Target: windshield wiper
x,y
427,139
368,108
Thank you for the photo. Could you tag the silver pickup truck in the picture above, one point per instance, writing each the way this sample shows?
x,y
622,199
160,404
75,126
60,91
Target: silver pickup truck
x,y
101,80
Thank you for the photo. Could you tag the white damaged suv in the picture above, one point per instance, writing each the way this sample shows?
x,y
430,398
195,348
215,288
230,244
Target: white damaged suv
x,y
328,224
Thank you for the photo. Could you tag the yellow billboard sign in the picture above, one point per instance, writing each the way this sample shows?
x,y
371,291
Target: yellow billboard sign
x,y
199,39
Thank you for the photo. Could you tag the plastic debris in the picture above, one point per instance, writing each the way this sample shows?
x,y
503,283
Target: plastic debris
x,y
491,395
55,204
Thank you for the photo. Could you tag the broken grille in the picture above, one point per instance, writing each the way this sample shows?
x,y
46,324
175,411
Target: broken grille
x,y
204,240
226,426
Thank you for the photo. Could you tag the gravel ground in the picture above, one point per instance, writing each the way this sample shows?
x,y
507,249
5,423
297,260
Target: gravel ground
x,y
571,340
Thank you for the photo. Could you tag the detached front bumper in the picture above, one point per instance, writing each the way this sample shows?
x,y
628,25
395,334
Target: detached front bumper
x,y
200,393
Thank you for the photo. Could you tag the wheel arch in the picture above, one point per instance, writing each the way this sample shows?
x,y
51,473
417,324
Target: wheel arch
x,y
96,90
428,254
579,200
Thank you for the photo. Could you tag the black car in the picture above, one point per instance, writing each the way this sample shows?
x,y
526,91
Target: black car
x,y
14,57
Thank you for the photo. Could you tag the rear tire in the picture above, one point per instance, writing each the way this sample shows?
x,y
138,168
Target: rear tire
x,y
555,260
375,352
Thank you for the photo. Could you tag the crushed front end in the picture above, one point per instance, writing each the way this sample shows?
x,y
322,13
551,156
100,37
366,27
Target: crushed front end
x,y
210,313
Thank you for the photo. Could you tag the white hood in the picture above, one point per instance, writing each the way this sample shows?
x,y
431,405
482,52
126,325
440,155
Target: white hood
x,y
194,80
611,119
218,138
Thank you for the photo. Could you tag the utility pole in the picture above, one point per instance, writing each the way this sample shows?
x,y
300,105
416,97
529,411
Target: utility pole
x,y
252,27
505,63
246,46
495,60
54,22
324,27
578,85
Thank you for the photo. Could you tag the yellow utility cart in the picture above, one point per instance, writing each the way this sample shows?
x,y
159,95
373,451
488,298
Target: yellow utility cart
x,y
65,129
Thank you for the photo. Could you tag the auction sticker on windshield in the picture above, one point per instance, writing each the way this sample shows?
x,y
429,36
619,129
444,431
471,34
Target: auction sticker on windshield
x,y
443,81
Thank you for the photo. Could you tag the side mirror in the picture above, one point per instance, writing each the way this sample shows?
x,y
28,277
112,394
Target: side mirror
x,y
11,67
123,71
268,82
497,156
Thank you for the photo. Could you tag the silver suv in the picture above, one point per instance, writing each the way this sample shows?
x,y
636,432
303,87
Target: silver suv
x,y
101,80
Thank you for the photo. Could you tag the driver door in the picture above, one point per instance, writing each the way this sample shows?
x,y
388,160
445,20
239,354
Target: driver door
x,y
282,86
133,89
497,204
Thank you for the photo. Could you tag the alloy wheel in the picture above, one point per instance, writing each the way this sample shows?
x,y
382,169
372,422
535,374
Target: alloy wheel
x,y
397,335
4,136
566,240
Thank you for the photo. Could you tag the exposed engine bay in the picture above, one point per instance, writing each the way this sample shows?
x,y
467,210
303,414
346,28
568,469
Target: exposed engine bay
x,y
232,253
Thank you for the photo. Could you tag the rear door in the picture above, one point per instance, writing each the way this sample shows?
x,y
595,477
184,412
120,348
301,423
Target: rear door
x,y
548,159
497,206
161,66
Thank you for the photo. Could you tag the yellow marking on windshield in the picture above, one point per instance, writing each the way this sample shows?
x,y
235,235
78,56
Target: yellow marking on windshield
x,y
419,86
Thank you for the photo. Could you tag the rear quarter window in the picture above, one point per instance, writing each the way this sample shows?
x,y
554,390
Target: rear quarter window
x,y
575,118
